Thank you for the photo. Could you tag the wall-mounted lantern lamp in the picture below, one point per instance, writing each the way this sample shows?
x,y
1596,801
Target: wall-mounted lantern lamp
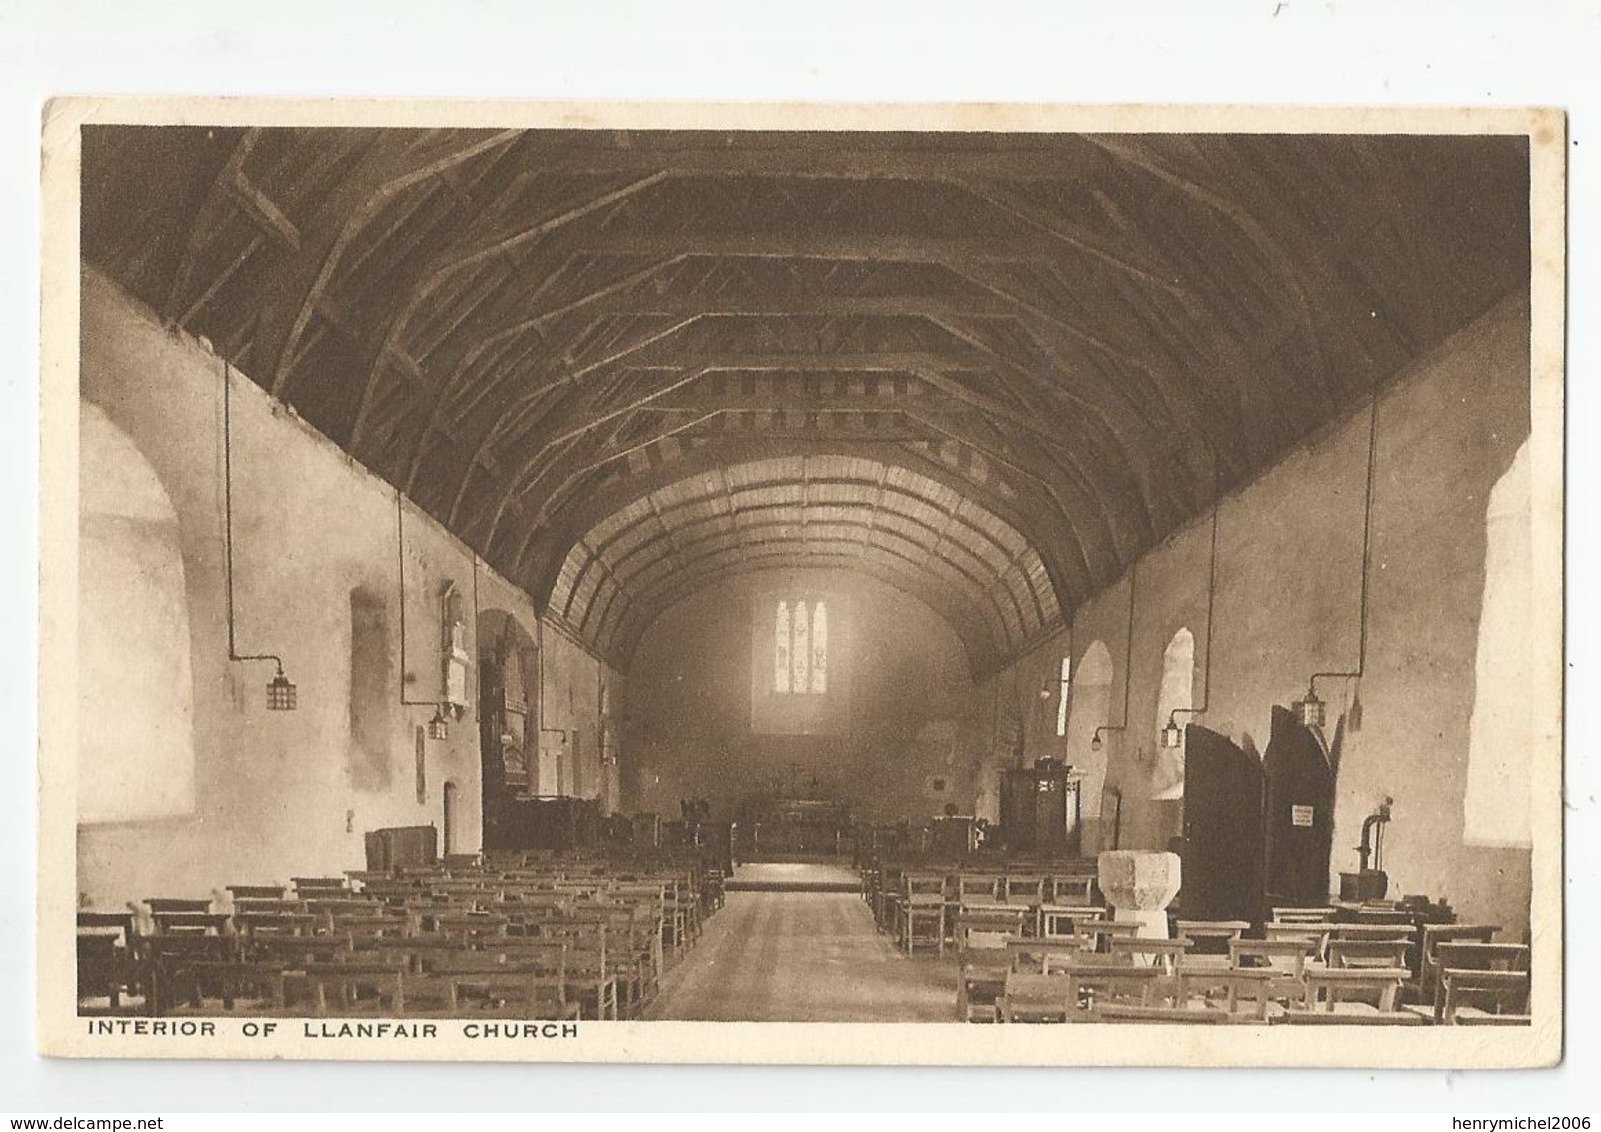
x,y
281,692
1309,709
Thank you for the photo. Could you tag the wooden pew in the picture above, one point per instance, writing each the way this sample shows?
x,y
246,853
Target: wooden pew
x,y
109,958
1028,997
1162,953
923,906
983,955
1158,1015
1246,994
355,988
1330,988
1471,996
1471,956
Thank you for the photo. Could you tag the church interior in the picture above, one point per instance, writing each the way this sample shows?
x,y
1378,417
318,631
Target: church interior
x,y
829,576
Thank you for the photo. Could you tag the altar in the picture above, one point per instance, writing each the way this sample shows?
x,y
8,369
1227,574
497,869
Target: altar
x,y
779,828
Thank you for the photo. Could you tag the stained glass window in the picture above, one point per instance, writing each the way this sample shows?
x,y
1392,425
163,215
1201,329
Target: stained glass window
x,y
820,648
800,647
781,653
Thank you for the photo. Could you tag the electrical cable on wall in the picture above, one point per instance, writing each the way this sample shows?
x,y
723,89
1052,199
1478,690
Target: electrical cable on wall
x,y
1128,662
282,695
439,725
1310,709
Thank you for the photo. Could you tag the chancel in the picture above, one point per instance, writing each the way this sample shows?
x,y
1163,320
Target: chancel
x,y
550,576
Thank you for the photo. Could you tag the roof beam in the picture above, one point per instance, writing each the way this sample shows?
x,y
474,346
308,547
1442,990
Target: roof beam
x,y
578,517
289,298
872,247
487,346
771,401
804,361
262,212
748,158
907,305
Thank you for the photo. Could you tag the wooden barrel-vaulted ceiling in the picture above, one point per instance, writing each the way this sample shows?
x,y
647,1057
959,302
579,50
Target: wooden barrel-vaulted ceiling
x,y
992,369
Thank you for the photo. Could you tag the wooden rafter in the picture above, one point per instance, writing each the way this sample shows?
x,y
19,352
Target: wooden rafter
x,y
1087,337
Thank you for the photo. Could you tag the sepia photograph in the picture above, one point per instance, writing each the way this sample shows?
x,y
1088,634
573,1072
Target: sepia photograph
x,y
823,584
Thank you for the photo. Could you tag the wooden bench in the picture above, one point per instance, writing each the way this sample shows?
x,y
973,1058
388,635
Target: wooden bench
x,y
1247,993
1350,1018
1162,953
1163,1015
1328,987
1467,956
1027,997
1051,918
354,988
923,906
1470,996
1288,956
109,958
1383,953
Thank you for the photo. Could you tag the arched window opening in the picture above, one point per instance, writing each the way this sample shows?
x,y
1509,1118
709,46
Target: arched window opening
x,y
820,648
136,754
800,647
374,691
1495,803
1177,691
1064,687
1090,708
781,650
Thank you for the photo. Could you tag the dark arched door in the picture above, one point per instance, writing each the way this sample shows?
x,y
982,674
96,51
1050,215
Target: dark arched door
x,y
1299,818
1222,844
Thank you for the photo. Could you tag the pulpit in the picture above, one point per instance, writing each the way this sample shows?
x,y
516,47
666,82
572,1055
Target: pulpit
x,y
1040,808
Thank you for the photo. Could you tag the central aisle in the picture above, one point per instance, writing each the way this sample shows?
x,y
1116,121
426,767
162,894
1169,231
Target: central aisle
x,y
803,957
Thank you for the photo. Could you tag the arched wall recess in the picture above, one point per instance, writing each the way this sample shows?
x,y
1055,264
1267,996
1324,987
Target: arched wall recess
x,y
1177,689
1092,708
136,762
1495,804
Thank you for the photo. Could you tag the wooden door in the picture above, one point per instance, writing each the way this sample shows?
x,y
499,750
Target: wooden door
x,y
1299,818
1222,847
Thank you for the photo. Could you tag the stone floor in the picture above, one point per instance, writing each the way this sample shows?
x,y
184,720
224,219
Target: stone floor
x,y
799,956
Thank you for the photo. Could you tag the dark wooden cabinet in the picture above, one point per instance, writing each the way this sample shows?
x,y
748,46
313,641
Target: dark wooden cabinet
x,y
1040,809
548,823
406,846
